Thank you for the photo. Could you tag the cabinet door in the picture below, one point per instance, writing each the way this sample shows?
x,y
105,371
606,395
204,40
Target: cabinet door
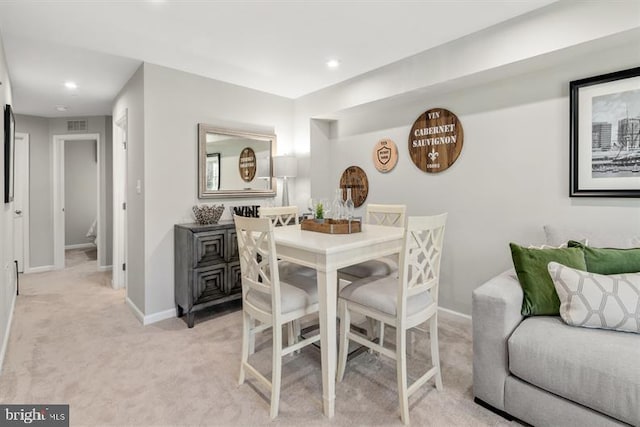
x,y
209,283
232,245
234,282
208,248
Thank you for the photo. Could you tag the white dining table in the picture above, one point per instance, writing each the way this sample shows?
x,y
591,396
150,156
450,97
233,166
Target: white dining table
x,y
327,253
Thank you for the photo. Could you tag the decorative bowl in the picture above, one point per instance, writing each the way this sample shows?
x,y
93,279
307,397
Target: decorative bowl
x,y
208,214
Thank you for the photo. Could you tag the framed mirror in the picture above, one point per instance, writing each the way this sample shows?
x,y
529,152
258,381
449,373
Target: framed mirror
x,y
234,163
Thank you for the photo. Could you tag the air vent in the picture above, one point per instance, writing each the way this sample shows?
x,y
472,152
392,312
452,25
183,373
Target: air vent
x,y
76,125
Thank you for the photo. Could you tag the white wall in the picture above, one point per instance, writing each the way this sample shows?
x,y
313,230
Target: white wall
x,y
7,271
41,131
80,190
131,100
511,178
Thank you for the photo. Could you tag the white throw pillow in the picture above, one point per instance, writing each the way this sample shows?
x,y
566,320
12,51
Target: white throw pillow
x,y
596,300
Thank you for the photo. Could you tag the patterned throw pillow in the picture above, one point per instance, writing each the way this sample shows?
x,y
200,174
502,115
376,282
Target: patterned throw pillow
x,y
597,301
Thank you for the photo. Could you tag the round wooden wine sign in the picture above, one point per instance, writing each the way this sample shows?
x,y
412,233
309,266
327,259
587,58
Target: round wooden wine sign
x,y
435,141
355,178
247,164
385,155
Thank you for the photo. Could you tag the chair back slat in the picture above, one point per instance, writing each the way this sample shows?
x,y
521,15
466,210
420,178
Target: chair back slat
x,y
258,262
393,215
420,258
282,215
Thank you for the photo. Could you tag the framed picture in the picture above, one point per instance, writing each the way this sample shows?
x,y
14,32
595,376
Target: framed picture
x,y
9,153
605,135
212,172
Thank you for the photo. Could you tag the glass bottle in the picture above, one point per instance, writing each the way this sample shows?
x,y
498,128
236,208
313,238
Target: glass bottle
x,y
337,206
349,207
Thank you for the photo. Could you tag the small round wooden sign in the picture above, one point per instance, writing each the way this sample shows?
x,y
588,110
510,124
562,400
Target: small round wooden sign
x,y
385,155
247,164
435,141
355,178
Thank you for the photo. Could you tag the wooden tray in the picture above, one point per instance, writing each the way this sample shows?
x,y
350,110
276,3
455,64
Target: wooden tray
x,y
332,226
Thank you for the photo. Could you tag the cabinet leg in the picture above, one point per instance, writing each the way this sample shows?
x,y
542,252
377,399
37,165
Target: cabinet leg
x,y
190,319
179,311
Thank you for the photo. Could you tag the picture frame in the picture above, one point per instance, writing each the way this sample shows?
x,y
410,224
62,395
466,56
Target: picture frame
x,y
212,173
605,135
9,153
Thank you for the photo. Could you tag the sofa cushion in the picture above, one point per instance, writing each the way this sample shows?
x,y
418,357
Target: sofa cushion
x,y
540,297
609,260
593,367
598,301
556,236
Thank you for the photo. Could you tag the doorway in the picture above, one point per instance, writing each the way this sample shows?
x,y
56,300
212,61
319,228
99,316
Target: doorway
x,y
21,202
71,148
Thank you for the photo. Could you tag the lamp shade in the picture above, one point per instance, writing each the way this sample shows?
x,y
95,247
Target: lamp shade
x,y
285,166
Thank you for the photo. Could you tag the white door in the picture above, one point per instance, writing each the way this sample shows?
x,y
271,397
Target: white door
x,y
21,201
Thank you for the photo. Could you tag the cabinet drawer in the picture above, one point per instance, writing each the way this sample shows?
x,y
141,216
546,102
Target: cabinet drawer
x,y
208,248
209,283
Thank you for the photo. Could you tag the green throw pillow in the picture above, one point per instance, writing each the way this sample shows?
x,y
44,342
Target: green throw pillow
x,y
540,297
609,260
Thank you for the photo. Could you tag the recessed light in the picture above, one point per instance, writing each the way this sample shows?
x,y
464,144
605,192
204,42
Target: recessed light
x,y
333,63
61,108
71,85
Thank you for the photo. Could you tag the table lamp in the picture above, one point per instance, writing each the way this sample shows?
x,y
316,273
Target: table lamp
x,y
285,167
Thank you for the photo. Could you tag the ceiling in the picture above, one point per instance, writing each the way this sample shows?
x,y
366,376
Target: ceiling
x,y
280,47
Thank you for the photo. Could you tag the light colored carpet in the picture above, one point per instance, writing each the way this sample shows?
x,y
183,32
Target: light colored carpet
x,y
74,341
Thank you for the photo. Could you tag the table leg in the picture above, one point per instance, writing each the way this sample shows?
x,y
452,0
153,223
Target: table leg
x,y
327,288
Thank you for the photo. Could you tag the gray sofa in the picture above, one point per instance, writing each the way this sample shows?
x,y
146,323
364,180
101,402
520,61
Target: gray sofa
x,y
546,373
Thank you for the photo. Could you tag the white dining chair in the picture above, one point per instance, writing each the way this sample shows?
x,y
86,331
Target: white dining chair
x,y
403,301
270,300
280,215
283,216
391,215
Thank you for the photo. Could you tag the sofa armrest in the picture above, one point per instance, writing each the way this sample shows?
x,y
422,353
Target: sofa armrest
x,y
496,314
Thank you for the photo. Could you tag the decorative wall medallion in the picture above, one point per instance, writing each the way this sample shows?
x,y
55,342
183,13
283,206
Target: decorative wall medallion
x,y
247,164
435,141
385,155
355,178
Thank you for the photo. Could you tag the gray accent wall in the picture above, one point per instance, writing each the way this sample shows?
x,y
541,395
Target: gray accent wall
x,y
41,131
175,102
80,190
512,176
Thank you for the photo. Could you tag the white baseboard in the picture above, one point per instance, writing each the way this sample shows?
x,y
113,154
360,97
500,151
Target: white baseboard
x,y
161,315
104,268
136,310
454,313
80,246
5,341
41,269
151,318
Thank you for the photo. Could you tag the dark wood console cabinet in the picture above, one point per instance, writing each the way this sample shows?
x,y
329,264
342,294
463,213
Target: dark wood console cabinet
x,y
207,267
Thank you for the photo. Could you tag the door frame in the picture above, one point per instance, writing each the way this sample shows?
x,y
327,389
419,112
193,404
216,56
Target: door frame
x,y
24,169
120,142
58,195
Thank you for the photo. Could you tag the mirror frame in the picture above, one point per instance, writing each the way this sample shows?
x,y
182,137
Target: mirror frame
x,y
203,193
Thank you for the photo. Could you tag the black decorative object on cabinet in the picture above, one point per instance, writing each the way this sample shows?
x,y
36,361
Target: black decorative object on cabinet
x,y
207,267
